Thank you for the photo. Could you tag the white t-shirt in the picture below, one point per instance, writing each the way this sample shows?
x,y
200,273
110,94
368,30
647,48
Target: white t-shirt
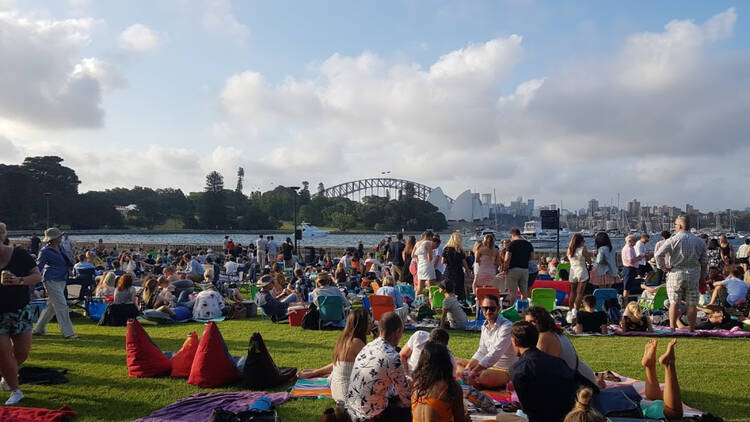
x,y
640,249
231,267
416,343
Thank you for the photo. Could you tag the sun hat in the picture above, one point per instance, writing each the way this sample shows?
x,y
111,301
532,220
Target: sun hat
x,y
264,281
51,234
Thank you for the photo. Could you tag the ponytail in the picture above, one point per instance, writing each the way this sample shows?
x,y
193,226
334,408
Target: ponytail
x,y
582,412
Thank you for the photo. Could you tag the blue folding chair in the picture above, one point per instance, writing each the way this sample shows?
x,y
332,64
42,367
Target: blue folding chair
x,y
331,309
406,290
602,295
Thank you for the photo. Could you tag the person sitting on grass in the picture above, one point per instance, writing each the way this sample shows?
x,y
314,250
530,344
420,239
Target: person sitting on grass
x,y
670,396
634,320
325,287
589,320
350,342
582,412
553,342
378,387
125,291
453,313
389,289
543,272
731,290
302,284
106,286
545,385
436,395
273,307
413,348
149,293
489,365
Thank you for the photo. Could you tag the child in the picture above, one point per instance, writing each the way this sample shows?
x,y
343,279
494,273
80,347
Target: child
x,y
452,311
590,320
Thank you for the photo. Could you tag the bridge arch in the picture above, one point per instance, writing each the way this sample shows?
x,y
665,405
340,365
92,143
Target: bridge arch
x,y
375,186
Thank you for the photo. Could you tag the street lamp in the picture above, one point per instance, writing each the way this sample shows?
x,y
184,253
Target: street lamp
x,y
294,189
46,198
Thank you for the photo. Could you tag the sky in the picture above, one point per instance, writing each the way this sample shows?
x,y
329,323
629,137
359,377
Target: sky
x,y
560,101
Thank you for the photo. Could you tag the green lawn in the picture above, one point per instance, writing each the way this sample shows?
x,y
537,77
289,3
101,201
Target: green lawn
x,y
713,373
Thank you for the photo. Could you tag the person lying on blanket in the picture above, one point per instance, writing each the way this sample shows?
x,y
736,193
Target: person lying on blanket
x,y
634,320
590,320
178,313
489,365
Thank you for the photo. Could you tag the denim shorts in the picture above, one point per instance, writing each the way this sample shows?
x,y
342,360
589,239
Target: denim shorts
x,y
17,322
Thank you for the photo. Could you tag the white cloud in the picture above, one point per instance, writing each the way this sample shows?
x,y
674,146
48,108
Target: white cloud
x,y
106,74
139,38
654,112
218,16
40,83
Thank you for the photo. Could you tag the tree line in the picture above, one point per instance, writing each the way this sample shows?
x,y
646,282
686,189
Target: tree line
x,y
42,188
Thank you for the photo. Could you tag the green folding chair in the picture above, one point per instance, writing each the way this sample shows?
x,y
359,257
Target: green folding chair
x,y
657,302
436,298
544,297
562,266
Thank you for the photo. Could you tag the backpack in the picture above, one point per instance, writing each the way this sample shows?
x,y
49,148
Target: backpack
x,y
311,318
117,315
613,310
237,311
260,370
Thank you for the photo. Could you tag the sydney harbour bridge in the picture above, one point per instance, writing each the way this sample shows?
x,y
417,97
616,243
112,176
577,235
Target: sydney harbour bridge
x,y
377,186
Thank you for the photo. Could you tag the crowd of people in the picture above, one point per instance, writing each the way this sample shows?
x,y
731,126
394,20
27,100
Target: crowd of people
x,y
376,380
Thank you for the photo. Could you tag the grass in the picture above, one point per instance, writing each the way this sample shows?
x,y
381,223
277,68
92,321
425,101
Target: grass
x,y
713,373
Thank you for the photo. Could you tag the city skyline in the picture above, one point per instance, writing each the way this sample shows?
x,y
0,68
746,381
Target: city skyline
x,y
560,101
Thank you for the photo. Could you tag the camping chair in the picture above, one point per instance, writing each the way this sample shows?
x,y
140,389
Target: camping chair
x,y
380,305
331,309
657,302
602,295
78,290
406,290
562,266
481,293
436,298
544,297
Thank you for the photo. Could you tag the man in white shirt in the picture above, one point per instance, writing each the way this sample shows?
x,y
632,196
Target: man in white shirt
x,y
437,253
412,350
644,269
489,365
231,266
742,253
260,247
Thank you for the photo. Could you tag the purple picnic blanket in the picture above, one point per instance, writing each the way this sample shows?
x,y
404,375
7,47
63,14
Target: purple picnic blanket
x,y
662,331
198,407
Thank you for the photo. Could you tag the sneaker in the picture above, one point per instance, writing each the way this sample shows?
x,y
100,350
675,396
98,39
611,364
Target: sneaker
x,y
4,384
74,336
14,398
38,333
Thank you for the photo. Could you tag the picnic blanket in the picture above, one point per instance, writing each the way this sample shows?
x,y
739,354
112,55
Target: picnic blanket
x,y
198,407
310,388
640,387
662,331
32,414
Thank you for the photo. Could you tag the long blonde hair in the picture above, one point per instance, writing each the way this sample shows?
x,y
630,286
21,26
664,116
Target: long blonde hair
x,y
634,310
455,242
582,411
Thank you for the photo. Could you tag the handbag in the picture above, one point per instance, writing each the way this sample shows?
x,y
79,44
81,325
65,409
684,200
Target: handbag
x,y
622,402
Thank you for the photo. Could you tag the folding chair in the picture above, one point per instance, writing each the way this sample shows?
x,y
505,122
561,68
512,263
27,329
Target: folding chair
x,y
436,298
381,304
657,302
560,267
331,309
544,297
406,290
602,295
481,293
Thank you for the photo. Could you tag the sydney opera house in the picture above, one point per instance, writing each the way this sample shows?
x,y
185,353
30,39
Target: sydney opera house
x,y
467,207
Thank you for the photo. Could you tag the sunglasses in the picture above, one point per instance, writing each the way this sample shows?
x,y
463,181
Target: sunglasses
x,y
489,308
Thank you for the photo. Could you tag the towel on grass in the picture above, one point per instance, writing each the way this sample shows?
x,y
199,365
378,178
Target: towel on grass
x,y
662,331
198,407
310,388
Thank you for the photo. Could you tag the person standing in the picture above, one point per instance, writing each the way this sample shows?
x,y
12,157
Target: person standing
x,y
260,251
395,256
664,236
742,253
406,274
287,248
517,264
630,261
272,249
54,263
67,246
456,267
605,271
688,263
425,264
35,241
641,249
19,271
578,256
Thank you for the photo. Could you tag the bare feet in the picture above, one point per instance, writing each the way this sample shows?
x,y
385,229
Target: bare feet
x,y
668,357
649,354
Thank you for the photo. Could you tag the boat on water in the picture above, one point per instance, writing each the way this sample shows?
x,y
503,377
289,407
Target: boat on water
x,y
480,232
309,231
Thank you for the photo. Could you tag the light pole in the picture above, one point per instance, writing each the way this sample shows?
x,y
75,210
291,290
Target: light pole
x,y
294,190
46,198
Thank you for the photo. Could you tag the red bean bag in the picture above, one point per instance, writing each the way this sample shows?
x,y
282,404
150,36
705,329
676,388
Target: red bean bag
x,y
213,366
144,359
182,361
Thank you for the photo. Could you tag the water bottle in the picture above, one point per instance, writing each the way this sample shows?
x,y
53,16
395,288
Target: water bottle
x,y
310,297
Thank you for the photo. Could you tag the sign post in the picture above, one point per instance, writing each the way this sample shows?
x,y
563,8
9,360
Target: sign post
x,y
551,221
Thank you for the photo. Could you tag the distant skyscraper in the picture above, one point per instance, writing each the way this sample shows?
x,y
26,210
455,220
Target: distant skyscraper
x,y
529,207
593,206
634,207
689,209
486,199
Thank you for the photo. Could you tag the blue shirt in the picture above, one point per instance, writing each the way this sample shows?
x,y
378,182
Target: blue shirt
x,y
54,265
392,292
736,289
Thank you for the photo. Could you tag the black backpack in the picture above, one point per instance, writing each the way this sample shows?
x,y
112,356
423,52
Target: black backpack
x,y
311,318
260,370
613,310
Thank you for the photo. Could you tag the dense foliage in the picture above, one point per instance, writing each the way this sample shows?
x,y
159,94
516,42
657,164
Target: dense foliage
x,y
27,189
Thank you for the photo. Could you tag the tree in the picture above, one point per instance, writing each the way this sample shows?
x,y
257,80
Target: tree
x,y
240,176
342,221
214,182
409,191
17,205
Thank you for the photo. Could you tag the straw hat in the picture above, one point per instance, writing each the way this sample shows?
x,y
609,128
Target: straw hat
x,y
51,234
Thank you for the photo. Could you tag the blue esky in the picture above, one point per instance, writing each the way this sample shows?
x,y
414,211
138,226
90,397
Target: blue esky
x,y
336,91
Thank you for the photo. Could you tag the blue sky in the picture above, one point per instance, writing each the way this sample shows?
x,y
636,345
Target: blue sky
x,y
532,98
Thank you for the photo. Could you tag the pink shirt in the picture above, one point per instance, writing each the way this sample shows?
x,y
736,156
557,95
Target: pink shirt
x,y
628,256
